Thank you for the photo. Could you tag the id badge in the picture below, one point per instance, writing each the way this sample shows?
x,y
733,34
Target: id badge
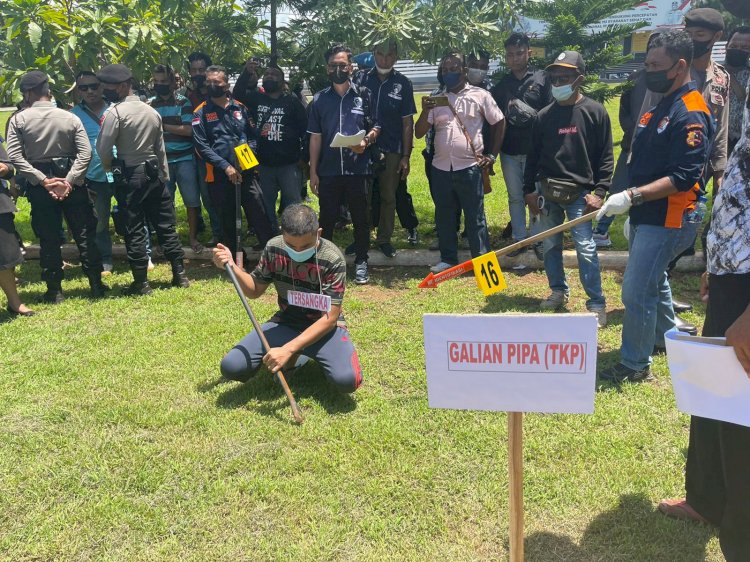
x,y
245,157
315,301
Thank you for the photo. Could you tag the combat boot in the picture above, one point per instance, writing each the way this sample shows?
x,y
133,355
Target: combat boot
x,y
179,277
54,294
139,286
98,289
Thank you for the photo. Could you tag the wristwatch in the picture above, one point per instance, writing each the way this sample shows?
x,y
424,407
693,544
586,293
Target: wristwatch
x,y
636,197
491,157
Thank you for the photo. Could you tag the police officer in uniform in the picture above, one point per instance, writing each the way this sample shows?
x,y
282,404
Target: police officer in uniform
x,y
50,150
140,172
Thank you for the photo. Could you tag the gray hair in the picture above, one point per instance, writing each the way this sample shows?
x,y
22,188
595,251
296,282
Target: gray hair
x,y
299,220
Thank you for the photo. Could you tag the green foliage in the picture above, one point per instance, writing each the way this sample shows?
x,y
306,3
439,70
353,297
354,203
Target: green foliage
x,y
62,37
568,29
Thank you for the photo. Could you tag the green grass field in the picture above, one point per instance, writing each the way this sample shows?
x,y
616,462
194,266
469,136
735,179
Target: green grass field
x,y
117,441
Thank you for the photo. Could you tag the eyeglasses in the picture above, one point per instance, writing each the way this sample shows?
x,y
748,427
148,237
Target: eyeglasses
x,y
87,87
562,79
338,66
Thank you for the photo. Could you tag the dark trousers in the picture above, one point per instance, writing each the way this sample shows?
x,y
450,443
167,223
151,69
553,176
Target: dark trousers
x,y
141,199
717,475
428,173
332,191
223,197
407,216
46,220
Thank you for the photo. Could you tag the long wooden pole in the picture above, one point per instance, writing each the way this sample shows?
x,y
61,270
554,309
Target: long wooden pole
x,y
279,375
546,234
515,472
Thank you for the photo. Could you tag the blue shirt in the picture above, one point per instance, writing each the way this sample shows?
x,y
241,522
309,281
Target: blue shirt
x,y
671,140
331,113
95,171
392,99
175,110
217,131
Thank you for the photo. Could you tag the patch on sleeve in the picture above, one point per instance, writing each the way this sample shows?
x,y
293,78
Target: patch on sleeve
x,y
694,138
645,118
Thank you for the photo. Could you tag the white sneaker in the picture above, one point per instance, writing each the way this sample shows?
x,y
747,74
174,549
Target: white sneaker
x,y
602,240
601,315
555,301
441,266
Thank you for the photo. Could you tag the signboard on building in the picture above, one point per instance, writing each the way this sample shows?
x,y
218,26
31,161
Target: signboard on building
x,y
658,14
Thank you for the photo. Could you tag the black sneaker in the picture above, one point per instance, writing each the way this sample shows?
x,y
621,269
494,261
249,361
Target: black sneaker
x,y
53,296
136,289
516,253
539,251
413,237
620,373
350,250
388,250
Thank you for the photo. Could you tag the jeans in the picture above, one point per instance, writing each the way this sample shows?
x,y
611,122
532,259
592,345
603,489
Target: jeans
x,y
513,167
454,191
286,179
101,194
646,293
583,237
334,352
332,191
183,174
619,183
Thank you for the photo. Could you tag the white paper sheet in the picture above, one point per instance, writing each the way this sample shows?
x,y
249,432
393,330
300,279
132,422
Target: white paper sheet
x,y
347,141
707,378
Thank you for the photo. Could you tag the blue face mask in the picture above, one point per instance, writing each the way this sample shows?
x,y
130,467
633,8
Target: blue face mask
x,y
562,93
451,79
304,255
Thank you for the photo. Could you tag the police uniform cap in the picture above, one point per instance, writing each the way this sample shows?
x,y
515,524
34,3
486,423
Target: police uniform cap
x,y
569,59
114,74
707,18
31,80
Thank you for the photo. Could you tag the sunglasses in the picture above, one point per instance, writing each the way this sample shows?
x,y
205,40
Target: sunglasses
x,y
87,87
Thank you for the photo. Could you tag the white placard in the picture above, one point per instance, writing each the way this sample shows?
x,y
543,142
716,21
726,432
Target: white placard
x,y
707,378
511,363
315,301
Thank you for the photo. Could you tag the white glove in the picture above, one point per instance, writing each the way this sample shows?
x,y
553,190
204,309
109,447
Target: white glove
x,y
616,204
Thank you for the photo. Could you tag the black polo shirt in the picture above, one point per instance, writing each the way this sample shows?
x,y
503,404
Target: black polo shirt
x,y
392,99
330,113
674,140
532,89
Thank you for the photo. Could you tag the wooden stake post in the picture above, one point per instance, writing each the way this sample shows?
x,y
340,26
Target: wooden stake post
x,y
515,484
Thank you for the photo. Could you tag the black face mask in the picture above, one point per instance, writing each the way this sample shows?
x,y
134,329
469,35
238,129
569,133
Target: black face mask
x,y
162,89
658,82
198,80
700,48
110,95
338,76
271,86
216,91
737,57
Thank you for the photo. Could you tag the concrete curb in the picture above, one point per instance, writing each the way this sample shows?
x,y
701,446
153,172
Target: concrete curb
x,y
608,259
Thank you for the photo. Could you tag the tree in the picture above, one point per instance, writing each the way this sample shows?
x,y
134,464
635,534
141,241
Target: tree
x,y
568,28
63,37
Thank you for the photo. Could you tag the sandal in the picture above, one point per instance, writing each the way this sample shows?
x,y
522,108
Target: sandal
x,y
679,508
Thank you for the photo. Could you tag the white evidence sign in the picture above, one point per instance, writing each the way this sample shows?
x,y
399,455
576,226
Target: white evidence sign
x,y
511,363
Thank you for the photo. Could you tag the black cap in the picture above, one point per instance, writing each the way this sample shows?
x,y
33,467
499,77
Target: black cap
x,y
707,18
569,59
114,74
31,80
